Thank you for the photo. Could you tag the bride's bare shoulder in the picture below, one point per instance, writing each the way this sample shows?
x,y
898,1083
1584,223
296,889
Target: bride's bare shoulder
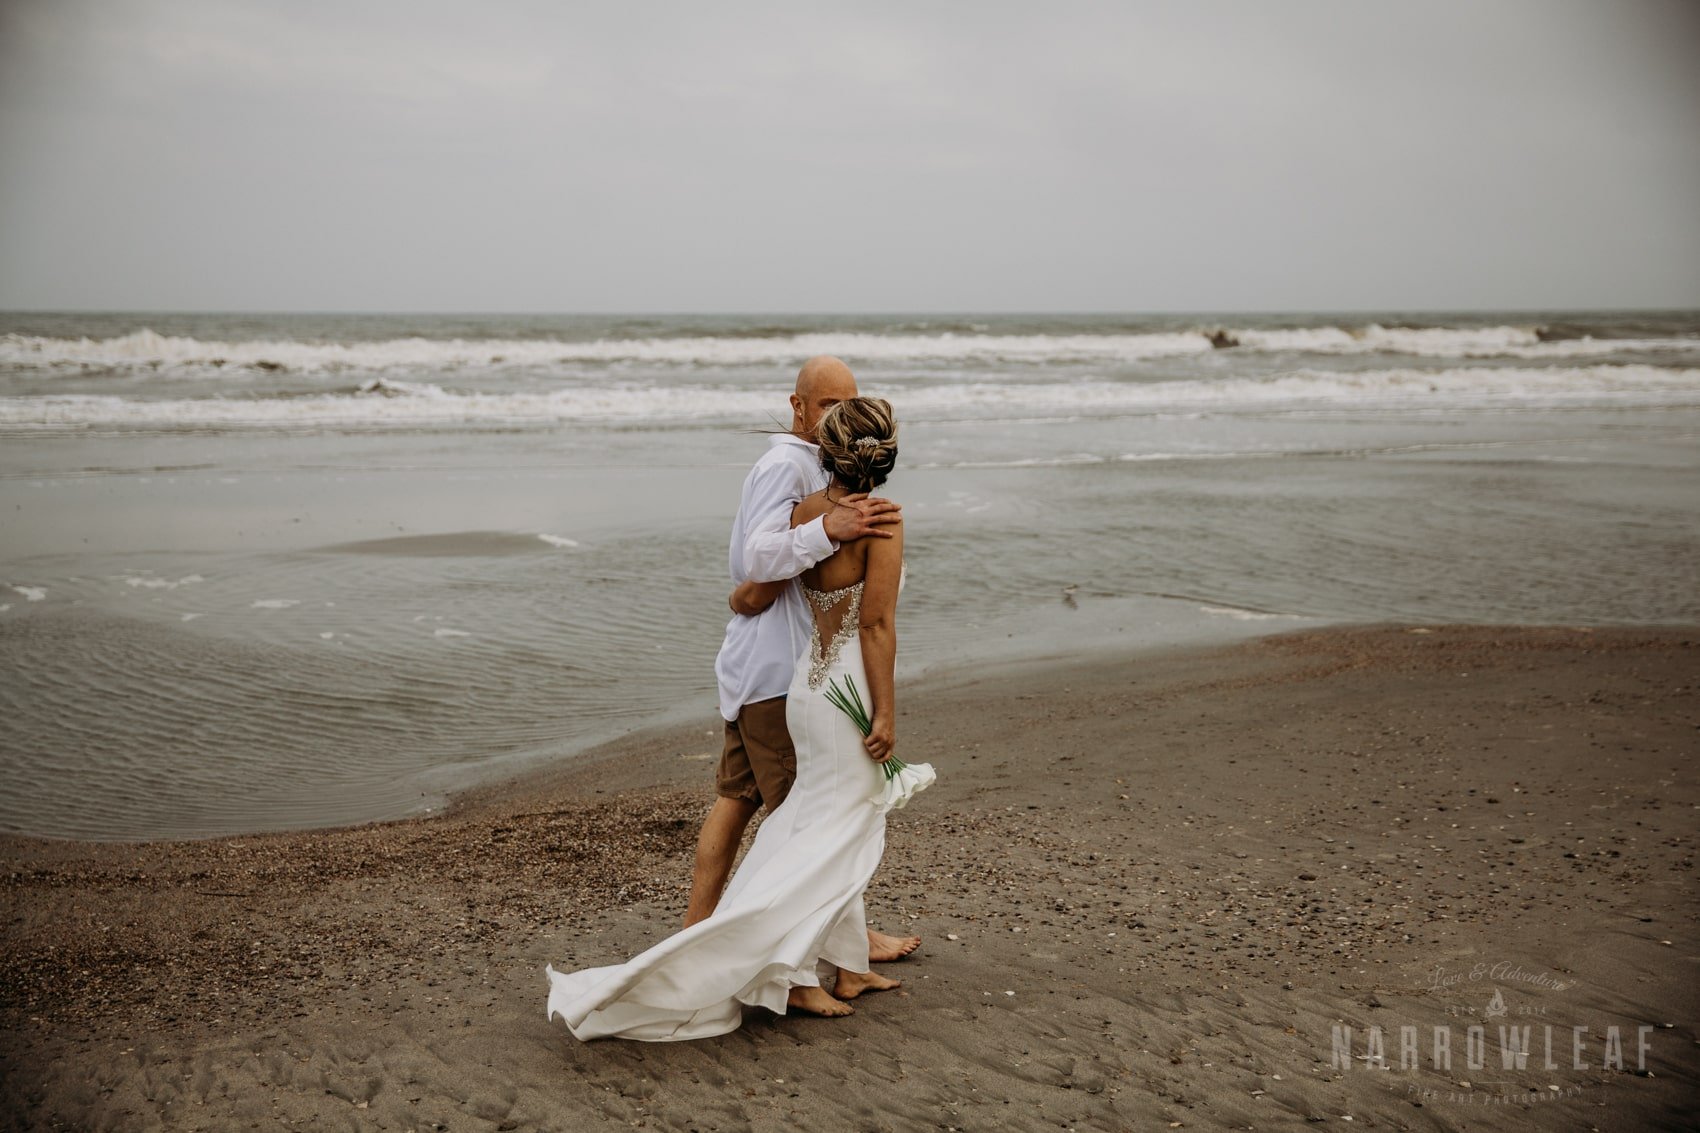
x,y
810,506
888,548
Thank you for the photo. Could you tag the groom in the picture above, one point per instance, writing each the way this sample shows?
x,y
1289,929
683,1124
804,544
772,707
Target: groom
x,y
762,644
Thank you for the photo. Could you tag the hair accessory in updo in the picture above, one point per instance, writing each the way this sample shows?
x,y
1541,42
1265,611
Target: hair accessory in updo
x,y
858,442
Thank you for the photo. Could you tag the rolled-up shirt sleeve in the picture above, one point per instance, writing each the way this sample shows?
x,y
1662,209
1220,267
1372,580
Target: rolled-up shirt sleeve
x,y
773,549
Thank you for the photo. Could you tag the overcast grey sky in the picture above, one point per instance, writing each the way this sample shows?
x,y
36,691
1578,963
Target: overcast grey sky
x,y
558,156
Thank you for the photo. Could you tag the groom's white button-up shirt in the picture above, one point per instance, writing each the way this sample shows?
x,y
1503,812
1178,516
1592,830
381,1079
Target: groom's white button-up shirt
x,y
759,654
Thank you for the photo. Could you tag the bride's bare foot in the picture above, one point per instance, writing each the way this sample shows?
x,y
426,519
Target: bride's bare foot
x,y
815,1001
883,949
852,984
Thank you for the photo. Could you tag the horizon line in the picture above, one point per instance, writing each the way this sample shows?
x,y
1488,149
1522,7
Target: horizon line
x,y
845,312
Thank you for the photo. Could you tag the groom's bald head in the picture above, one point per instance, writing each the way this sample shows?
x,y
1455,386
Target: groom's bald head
x,y
825,374
823,382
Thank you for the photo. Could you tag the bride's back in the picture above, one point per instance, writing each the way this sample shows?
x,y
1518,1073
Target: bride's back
x,y
837,598
844,567
858,445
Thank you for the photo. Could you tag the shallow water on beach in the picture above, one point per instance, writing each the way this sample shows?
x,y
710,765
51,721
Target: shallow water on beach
x,y
269,572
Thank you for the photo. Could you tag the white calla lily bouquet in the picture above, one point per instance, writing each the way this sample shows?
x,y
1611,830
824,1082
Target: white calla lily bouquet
x,y
903,780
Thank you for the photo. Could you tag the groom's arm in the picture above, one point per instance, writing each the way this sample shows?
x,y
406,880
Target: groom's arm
x,y
751,598
774,550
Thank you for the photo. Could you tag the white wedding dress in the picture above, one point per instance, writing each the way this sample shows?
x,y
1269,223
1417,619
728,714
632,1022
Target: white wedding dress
x,y
795,900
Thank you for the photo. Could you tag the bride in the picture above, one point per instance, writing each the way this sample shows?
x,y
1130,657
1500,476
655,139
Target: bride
x,y
796,900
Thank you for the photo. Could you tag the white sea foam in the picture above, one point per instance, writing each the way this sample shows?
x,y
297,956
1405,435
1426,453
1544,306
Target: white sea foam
x,y
1246,615
391,387
1451,342
1459,388
1455,342
145,351
152,582
32,593
275,603
558,540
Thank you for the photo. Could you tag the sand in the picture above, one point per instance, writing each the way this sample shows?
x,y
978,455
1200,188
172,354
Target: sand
x,y
1150,886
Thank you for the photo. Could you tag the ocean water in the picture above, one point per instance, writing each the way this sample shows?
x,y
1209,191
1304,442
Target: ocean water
x,y
263,572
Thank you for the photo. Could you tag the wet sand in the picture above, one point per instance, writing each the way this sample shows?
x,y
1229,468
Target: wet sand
x,y
1151,886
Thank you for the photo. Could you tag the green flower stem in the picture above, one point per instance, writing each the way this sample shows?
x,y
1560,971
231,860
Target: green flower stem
x,y
850,703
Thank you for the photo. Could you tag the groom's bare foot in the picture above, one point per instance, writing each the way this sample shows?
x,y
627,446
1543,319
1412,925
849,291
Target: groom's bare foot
x,y
815,1001
852,984
883,949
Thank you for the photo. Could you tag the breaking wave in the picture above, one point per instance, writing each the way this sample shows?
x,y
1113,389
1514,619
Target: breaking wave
x,y
388,404
145,351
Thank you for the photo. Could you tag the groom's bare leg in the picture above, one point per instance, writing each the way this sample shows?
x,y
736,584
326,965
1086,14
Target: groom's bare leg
x,y
883,949
717,846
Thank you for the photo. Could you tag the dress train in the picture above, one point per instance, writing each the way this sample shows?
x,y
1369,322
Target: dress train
x,y
795,901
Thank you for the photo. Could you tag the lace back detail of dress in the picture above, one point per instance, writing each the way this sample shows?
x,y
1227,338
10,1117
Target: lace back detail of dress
x,y
827,604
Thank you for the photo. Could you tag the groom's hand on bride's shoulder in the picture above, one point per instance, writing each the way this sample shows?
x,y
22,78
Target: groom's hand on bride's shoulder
x,y
860,515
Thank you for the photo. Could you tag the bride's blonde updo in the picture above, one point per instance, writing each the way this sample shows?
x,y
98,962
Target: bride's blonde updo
x,y
858,442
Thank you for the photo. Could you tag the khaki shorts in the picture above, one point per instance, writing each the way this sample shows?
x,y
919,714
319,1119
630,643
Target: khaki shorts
x,y
758,763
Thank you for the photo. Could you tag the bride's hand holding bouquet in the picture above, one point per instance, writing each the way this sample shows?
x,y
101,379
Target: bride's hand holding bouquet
x,y
902,780
881,740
